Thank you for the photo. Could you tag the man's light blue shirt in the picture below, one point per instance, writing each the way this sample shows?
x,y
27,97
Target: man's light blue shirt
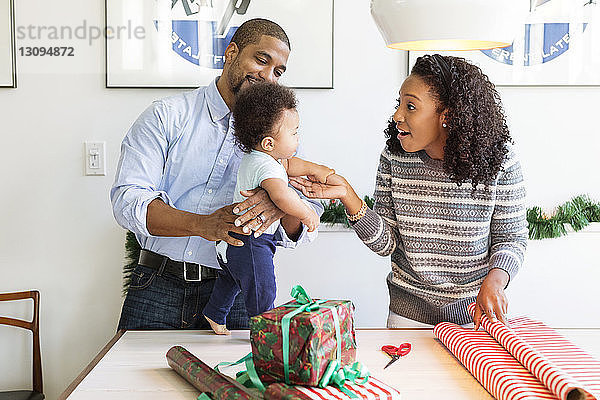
x,y
181,149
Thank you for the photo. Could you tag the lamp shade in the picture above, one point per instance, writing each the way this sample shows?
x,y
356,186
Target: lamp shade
x,y
448,24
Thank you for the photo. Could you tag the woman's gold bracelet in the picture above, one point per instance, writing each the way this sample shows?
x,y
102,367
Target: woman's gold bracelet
x,y
361,213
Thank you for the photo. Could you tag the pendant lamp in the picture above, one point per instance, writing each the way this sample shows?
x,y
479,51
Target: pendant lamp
x,y
448,24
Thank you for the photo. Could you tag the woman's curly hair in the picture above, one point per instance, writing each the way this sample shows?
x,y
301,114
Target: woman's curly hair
x,y
257,110
477,129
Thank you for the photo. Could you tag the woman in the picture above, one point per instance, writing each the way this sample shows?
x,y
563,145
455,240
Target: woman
x,y
449,198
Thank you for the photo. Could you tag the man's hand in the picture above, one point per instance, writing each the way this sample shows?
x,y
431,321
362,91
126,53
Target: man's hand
x,y
491,299
216,226
164,220
259,217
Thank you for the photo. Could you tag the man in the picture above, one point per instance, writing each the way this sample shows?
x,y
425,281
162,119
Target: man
x,y
174,187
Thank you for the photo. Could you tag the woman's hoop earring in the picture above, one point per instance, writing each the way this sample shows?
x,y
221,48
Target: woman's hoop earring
x,y
444,125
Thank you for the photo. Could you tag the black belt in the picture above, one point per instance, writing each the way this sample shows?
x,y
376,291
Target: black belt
x,y
187,271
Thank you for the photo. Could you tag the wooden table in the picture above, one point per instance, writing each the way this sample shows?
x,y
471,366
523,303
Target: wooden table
x,y
133,364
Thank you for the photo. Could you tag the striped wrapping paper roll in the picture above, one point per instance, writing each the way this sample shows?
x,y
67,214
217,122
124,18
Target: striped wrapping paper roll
x,y
374,389
495,368
560,365
526,361
582,367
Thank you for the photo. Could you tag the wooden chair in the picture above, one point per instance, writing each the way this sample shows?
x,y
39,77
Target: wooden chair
x,y
37,392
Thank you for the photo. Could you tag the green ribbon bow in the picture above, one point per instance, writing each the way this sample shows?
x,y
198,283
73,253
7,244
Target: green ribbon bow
x,y
337,375
300,295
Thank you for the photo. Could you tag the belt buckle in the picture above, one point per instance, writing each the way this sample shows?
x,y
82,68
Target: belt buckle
x,y
185,278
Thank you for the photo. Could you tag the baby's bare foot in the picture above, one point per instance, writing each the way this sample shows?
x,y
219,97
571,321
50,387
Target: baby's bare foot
x,y
217,328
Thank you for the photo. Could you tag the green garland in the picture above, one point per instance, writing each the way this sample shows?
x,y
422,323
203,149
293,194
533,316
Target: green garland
x,y
578,212
132,255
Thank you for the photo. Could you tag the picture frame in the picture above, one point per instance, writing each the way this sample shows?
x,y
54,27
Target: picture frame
x,y
550,50
8,55
184,40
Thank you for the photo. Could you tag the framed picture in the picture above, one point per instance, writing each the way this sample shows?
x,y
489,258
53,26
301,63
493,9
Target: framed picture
x,y
550,50
180,43
8,57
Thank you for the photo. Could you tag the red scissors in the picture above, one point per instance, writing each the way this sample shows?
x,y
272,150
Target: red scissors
x,y
396,352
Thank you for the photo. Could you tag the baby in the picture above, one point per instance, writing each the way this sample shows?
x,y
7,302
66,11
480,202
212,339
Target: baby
x,y
266,128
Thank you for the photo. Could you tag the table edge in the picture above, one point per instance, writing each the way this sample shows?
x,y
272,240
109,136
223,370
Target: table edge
x,y
91,365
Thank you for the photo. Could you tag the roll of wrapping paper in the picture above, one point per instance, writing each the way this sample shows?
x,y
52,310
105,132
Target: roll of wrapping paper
x,y
206,379
523,361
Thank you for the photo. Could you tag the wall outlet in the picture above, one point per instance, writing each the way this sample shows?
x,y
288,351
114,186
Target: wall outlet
x,y
95,158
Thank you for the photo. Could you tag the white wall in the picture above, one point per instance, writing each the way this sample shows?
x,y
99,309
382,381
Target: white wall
x,y
558,137
59,235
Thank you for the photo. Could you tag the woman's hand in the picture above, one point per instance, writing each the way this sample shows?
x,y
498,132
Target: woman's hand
x,y
491,299
336,187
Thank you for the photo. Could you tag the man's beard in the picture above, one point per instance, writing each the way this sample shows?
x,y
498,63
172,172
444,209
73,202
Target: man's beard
x,y
235,88
235,82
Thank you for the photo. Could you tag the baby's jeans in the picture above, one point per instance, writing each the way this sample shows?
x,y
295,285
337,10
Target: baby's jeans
x,y
248,269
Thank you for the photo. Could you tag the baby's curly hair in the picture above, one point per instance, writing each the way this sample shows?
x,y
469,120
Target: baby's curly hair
x,y
257,110
477,129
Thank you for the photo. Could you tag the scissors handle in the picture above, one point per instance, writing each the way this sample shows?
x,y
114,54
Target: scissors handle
x,y
404,349
400,351
389,349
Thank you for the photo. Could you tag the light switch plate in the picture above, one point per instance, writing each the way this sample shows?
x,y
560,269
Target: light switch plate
x,y
94,158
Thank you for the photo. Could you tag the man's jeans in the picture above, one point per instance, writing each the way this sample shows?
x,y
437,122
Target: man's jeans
x,y
166,302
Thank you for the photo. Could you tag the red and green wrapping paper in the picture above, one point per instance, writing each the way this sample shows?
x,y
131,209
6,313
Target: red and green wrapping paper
x,y
315,329
206,379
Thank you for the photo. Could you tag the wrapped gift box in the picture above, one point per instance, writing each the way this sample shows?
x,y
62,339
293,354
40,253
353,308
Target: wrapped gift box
x,y
312,341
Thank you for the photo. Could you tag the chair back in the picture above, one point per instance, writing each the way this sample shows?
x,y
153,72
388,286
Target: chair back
x,y
33,326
